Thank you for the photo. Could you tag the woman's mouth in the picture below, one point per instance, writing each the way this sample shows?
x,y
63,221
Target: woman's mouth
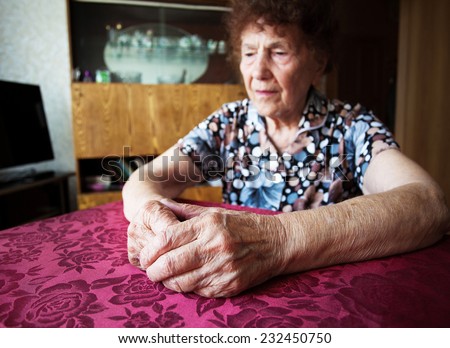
x,y
264,92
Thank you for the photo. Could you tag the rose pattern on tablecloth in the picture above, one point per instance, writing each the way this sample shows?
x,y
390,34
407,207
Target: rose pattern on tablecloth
x,y
17,256
85,258
138,292
73,271
9,281
154,317
270,317
63,304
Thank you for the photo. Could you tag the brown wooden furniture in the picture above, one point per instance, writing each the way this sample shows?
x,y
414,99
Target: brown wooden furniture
x,y
126,120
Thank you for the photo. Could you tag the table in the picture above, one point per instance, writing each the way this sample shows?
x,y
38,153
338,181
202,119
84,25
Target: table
x,y
73,271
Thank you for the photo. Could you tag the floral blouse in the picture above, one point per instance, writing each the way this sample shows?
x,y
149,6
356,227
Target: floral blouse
x,y
324,164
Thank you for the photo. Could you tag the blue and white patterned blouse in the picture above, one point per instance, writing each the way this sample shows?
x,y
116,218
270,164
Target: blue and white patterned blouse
x,y
325,163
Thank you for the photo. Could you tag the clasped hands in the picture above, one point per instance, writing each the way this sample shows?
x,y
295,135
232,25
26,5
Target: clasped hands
x,y
212,252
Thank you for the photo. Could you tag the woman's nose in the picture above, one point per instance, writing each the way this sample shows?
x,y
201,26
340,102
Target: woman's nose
x,y
261,68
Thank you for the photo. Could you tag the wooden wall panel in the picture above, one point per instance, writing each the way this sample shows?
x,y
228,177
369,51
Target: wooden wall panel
x,y
423,88
147,118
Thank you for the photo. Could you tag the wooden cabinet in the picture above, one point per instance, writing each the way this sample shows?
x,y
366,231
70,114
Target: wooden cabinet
x,y
119,120
34,198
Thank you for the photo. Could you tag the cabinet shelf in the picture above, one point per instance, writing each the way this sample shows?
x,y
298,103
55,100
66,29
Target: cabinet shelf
x,y
108,174
22,202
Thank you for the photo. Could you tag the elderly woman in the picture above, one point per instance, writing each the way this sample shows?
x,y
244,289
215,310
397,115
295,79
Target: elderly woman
x,y
285,148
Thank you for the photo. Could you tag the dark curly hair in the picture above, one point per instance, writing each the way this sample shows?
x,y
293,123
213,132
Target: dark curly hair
x,y
315,18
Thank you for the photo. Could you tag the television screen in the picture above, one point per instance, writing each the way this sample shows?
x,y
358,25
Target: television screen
x,y
24,135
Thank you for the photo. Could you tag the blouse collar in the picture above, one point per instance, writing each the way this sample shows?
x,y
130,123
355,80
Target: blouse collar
x,y
313,116
315,111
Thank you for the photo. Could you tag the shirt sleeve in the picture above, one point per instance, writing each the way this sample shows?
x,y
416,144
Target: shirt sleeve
x,y
366,137
202,145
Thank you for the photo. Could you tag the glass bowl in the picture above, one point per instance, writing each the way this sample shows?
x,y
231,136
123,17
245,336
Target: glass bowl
x,y
157,53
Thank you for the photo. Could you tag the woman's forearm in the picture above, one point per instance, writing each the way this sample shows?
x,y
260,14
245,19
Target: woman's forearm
x,y
137,192
166,176
403,219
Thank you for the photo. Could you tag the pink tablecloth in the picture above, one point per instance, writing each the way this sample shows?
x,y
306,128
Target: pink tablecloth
x,y
72,271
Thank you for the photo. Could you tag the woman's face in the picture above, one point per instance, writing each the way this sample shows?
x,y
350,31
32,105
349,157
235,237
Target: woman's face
x,y
278,68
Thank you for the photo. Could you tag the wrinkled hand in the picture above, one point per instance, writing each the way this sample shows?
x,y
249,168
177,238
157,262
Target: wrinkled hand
x,y
213,252
140,234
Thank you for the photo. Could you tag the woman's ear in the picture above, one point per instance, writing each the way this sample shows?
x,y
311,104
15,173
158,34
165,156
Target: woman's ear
x,y
321,60
319,68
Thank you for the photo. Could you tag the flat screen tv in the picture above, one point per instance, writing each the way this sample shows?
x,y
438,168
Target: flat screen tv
x,y
24,135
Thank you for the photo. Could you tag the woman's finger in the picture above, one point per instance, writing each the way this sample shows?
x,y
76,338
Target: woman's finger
x,y
206,284
175,262
152,218
156,217
172,238
184,211
138,238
